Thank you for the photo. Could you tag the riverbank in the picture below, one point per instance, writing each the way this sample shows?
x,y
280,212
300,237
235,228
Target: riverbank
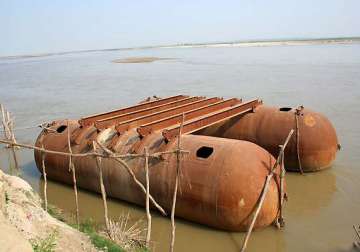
x,y
294,42
139,60
25,226
242,43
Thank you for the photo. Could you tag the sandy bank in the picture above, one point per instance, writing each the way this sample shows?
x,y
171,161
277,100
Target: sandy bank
x,y
24,223
139,60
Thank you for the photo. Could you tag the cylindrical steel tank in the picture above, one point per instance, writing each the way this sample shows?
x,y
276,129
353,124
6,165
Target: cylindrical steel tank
x,y
221,183
269,126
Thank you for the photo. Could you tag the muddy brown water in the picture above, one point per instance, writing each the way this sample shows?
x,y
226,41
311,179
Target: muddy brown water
x,y
322,206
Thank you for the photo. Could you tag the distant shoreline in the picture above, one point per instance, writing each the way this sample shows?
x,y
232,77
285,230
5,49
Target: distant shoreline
x,y
248,43
269,43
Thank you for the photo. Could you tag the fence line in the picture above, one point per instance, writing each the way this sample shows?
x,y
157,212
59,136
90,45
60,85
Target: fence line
x,y
11,142
97,155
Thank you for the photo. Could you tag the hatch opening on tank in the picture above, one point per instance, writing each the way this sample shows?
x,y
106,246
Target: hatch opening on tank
x,y
285,109
204,152
61,129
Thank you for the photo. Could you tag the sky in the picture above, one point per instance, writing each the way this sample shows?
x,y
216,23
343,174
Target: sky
x,y
41,26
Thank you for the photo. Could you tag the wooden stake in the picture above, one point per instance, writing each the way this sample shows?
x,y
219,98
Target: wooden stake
x,y
282,193
148,215
12,137
297,112
9,133
264,191
356,231
4,123
103,192
72,169
45,179
173,227
10,123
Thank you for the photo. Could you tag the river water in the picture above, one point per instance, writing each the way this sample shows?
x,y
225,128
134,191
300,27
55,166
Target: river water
x,y
322,206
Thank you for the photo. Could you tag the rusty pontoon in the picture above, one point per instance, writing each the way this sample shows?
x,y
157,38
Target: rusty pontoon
x,y
224,175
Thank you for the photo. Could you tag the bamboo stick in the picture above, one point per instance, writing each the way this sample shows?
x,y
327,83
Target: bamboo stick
x,y
264,191
298,138
173,226
103,191
45,178
356,231
4,123
72,169
12,146
282,193
11,126
123,163
147,203
8,133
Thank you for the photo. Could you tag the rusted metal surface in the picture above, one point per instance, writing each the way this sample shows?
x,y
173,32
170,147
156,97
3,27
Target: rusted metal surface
x,y
223,177
317,143
124,126
211,119
110,121
176,118
86,121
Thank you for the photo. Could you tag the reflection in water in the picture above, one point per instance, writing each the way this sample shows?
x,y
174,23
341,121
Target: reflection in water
x,y
322,206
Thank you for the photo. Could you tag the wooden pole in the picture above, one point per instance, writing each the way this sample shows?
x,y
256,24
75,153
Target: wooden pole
x,y
356,231
9,133
11,126
4,123
264,191
148,215
72,169
45,179
173,227
282,193
103,192
12,137
297,113
129,170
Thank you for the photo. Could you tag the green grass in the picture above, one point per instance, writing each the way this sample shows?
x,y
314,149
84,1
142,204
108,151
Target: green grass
x,y
47,244
89,227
